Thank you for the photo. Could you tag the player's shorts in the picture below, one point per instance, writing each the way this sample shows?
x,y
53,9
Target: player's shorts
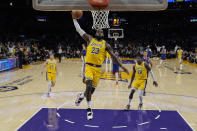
x,y
139,84
115,68
92,73
83,53
163,56
50,77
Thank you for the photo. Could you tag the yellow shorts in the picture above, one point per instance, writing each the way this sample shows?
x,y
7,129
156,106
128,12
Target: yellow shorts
x,y
93,73
139,84
50,77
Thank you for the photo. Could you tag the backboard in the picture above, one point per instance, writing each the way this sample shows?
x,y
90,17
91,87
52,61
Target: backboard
x,y
114,5
112,33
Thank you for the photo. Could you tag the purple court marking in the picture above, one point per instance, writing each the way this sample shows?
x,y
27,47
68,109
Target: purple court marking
x,y
105,120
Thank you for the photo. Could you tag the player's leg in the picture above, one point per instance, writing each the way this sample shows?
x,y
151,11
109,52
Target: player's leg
x,y
49,88
130,98
95,80
135,87
48,76
88,96
87,77
81,96
144,93
141,99
115,72
141,91
180,64
116,75
52,80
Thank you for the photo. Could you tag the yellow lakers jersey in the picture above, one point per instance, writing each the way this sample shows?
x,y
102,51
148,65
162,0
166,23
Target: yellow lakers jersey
x,y
141,71
108,55
180,53
96,53
51,66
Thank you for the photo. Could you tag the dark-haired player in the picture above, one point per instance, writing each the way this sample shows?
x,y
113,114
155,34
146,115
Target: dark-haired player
x,y
95,56
140,70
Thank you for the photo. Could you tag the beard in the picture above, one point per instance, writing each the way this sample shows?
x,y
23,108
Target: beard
x,y
99,37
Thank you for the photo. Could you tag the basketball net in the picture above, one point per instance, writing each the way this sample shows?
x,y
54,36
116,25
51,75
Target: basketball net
x,y
100,19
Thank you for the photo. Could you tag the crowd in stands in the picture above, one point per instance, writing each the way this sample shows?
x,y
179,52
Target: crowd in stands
x,y
34,51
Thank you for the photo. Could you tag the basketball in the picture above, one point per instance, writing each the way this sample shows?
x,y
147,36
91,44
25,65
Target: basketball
x,y
77,14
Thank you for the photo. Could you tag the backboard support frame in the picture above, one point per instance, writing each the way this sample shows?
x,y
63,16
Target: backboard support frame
x,y
114,5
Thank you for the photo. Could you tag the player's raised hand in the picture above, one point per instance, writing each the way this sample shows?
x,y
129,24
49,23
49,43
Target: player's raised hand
x,y
155,83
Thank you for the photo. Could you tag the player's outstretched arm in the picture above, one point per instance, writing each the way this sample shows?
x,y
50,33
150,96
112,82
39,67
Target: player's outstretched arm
x,y
109,50
152,74
82,33
132,77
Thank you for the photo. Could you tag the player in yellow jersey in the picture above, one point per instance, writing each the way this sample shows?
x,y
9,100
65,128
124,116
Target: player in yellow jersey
x,y
95,56
179,57
51,72
140,74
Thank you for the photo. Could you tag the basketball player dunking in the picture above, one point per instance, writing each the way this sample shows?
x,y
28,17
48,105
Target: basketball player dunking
x,y
51,72
140,74
95,56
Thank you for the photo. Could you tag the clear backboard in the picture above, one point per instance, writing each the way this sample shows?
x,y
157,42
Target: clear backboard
x,y
114,5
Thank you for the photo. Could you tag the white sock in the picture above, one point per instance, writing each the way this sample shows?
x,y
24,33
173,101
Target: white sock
x,y
88,103
129,102
116,75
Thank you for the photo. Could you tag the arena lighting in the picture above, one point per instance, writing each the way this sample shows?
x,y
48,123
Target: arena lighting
x,y
11,4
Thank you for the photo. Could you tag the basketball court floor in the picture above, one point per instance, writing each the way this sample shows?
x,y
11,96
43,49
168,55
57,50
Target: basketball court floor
x,y
24,105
